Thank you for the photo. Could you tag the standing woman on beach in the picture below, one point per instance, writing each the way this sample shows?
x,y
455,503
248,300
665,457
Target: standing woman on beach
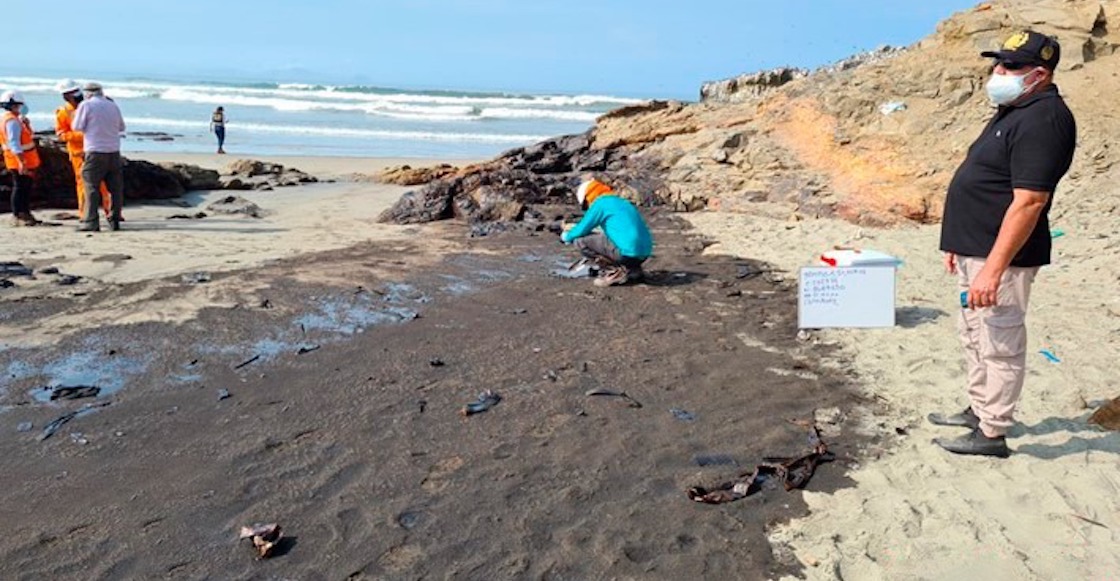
x,y
218,127
21,157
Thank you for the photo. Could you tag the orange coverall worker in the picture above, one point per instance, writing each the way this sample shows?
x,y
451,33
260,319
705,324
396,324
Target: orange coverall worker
x,y
27,143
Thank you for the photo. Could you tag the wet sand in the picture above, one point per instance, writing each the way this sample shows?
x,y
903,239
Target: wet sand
x,y
356,446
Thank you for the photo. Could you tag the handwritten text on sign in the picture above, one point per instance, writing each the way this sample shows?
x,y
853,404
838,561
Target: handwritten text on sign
x,y
825,287
851,296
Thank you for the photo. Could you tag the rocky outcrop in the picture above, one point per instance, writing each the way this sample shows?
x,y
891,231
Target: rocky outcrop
x,y
144,180
193,177
406,175
236,205
250,174
749,86
55,183
545,173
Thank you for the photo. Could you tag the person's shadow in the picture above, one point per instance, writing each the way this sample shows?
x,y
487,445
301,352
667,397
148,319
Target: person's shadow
x,y
668,278
1106,442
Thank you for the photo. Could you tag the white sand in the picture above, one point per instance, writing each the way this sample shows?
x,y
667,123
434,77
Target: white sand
x,y
918,512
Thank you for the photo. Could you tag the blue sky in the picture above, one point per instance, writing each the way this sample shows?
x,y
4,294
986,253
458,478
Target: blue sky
x,y
640,48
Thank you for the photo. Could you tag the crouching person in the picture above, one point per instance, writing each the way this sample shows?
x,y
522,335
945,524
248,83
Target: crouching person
x,y
624,242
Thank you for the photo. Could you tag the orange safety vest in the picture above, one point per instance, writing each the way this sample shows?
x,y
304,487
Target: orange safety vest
x,y
63,127
26,143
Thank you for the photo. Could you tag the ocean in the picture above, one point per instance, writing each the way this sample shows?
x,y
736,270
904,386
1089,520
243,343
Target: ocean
x,y
327,120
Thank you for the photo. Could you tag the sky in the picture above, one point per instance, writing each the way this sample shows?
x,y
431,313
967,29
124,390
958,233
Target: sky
x,y
638,48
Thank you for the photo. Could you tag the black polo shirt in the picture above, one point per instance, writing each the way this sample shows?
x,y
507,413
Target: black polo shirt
x,y
1027,145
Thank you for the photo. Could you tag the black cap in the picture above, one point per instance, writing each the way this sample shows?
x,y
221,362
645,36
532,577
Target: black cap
x,y
1028,47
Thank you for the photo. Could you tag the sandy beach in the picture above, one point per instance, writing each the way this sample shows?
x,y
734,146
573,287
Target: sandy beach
x,y
296,383
439,396
916,512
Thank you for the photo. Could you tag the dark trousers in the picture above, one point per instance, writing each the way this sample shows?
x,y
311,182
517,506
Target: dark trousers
x,y
220,131
600,248
102,167
21,193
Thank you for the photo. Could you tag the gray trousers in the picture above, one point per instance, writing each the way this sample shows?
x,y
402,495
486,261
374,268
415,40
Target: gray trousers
x,y
102,167
598,246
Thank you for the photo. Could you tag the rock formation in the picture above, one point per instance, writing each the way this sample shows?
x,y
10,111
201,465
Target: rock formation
x,y
405,175
143,180
249,174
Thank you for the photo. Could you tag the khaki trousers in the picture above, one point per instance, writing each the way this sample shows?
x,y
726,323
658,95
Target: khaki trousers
x,y
995,345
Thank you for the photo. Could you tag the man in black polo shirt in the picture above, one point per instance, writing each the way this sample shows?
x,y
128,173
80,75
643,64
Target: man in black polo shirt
x,y
996,232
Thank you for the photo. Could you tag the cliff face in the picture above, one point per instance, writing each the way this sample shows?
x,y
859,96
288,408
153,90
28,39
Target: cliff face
x,y
873,139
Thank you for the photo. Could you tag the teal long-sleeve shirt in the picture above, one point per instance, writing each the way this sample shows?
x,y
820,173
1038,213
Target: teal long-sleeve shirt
x,y
621,223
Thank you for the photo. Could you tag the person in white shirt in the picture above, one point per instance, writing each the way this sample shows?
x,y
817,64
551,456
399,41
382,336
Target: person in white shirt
x,y
99,118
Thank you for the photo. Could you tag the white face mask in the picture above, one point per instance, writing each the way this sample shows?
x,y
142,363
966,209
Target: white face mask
x,y
1004,89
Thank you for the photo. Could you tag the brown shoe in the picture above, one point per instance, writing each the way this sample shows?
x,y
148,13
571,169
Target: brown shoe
x,y
27,220
611,276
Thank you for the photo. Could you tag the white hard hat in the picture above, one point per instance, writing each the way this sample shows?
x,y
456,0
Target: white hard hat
x,y
12,97
581,193
68,86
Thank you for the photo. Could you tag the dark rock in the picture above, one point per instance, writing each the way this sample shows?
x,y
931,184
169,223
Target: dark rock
x,y
492,205
233,183
152,136
55,184
262,175
15,269
193,177
236,205
111,258
548,172
428,204
147,181
251,167
73,392
197,278
195,216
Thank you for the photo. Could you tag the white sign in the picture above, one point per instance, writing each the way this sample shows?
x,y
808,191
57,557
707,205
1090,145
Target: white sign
x,y
854,296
